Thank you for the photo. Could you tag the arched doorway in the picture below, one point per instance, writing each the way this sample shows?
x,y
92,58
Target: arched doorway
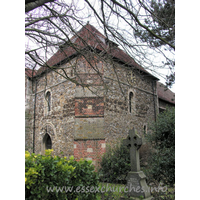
x,y
47,137
47,143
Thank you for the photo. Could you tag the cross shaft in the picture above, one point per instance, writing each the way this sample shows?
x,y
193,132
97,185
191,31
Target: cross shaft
x,y
134,142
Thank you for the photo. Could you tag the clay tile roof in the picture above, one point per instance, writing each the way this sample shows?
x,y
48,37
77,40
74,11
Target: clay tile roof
x,y
122,56
30,73
165,93
88,36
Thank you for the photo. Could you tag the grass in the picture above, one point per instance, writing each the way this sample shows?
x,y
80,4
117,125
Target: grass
x,y
167,195
111,191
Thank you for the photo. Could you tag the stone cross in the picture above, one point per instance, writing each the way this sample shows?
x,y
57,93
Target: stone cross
x,y
134,142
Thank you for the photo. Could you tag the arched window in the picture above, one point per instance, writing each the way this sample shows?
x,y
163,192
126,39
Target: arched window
x,y
47,144
72,72
48,99
145,129
131,102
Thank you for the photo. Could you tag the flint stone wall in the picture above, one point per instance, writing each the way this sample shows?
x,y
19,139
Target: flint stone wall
x,y
77,114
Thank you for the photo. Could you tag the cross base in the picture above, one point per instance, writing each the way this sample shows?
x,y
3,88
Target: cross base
x,y
137,187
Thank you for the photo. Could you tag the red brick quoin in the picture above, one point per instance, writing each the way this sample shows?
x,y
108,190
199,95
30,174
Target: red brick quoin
x,y
90,150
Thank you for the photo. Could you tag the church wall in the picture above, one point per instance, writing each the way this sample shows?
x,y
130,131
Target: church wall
x,y
59,121
90,149
28,115
118,119
163,105
89,134
82,120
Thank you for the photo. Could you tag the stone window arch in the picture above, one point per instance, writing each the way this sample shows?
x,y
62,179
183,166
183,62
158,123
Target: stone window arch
x,y
131,102
145,129
48,102
48,99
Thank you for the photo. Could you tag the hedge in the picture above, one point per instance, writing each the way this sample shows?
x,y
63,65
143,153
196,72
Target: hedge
x,y
49,177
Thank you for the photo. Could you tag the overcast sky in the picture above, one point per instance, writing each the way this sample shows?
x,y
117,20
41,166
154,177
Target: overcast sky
x,y
156,58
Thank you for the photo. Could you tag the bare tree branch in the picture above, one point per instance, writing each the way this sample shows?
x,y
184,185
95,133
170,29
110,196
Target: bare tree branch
x,y
142,25
53,28
32,4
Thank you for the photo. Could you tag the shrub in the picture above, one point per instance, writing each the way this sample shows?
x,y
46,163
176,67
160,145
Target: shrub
x,y
49,172
157,155
145,152
161,166
115,164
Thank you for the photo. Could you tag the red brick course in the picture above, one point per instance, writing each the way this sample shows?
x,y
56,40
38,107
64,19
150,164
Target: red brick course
x,y
89,106
82,149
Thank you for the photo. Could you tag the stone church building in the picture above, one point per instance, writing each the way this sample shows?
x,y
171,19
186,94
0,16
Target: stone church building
x,y
93,95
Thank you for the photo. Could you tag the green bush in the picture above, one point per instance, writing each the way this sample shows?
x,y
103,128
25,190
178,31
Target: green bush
x,y
57,174
157,156
115,164
161,165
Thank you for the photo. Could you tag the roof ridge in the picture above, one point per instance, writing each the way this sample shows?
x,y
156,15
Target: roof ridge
x,y
89,36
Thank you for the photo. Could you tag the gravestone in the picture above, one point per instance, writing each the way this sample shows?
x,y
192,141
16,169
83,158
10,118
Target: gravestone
x,y
136,179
